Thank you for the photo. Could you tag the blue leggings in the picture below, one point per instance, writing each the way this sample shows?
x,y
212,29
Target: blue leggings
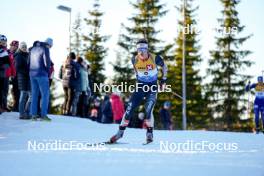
x,y
257,110
135,101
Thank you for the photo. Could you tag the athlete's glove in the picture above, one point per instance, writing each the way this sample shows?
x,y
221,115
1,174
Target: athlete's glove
x,y
163,81
162,84
248,86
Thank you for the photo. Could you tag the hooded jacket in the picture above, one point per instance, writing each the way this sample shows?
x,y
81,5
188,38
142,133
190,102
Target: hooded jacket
x,y
117,107
39,60
22,68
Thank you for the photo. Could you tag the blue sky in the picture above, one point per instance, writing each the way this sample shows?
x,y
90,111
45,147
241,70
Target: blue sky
x,y
31,20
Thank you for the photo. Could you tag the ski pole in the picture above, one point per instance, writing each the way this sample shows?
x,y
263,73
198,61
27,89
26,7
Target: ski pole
x,y
177,95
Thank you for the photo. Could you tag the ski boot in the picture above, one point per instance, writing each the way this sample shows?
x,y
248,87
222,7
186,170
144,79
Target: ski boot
x,y
257,130
118,135
149,135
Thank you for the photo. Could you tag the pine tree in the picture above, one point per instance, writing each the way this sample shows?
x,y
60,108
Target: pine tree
x,y
148,12
123,69
197,116
95,52
77,36
125,73
226,70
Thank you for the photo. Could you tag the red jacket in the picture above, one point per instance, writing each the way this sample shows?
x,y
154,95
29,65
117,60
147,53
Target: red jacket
x,y
11,71
117,107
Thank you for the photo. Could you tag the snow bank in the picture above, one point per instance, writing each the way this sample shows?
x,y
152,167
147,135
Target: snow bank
x,y
59,148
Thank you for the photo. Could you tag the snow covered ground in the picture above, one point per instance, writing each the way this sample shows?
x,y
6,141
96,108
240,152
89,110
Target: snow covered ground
x,y
29,148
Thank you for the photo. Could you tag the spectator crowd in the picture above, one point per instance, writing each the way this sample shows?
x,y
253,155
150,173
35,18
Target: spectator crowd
x,y
27,74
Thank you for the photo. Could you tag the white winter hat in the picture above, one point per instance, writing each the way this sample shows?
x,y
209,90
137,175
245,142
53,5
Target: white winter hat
x,y
22,45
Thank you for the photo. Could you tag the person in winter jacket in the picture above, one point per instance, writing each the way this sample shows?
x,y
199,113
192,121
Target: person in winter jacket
x,y
22,72
11,77
69,73
146,66
85,88
107,115
39,66
258,102
77,89
96,113
165,116
4,64
117,107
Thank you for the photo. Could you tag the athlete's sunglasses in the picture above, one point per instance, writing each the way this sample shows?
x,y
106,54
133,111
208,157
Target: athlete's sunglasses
x,y
142,50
